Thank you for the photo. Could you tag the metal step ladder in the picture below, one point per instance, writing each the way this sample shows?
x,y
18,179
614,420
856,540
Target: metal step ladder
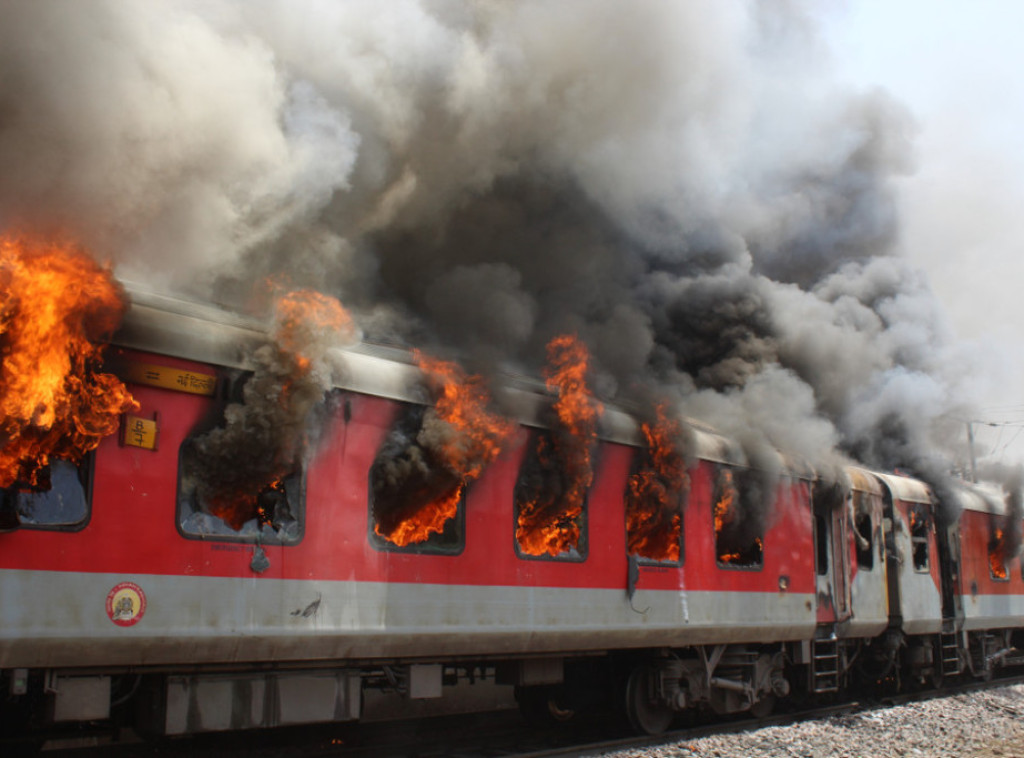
x,y
949,647
825,665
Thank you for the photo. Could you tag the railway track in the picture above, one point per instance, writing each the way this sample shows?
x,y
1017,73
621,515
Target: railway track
x,y
489,735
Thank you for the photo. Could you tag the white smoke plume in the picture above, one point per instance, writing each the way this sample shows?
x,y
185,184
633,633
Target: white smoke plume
x,y
683,184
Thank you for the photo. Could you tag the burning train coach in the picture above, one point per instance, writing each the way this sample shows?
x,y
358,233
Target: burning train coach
x,y
271,533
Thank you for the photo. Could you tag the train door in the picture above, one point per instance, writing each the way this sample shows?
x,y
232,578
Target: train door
x,y
948,546
841,563
832,560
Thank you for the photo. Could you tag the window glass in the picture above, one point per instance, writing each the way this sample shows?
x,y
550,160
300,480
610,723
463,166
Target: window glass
x,y
63,504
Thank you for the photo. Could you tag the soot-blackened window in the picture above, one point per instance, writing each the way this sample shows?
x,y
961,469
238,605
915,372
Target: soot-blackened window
x,y
821,544
920,526
59,501
238,479
265,513
416,503
550,501
738,513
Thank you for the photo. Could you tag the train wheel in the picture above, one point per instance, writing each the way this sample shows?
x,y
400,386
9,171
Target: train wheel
x,y
647,713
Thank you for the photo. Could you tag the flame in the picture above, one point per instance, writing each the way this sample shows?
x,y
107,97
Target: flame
x,y
549,521
723,509
477,435
235,508
654,494
303,318
465,437
429,518
997,555
264,438
56,305
729,547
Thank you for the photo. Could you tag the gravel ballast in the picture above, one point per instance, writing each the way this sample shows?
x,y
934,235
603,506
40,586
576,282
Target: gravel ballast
x,y
980,724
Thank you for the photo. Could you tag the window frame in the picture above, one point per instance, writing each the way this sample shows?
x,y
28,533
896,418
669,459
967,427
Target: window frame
x,y
259,537
725,565
433,545
916,540
86,470
865,557
581,552
635,467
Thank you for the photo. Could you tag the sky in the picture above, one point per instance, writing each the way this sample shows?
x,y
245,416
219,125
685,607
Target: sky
x,y
957,67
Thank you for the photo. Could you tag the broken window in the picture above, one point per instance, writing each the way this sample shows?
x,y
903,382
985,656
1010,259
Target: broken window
x,y
416,503
997,556
920,526
864,531
737,507
550,502
273,515
60,502
238,479
821,543
655,497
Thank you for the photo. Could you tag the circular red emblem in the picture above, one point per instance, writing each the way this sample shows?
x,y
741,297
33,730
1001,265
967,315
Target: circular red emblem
x,y
126,603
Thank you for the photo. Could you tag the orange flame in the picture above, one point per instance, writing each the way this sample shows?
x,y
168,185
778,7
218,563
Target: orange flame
x,y
997,555
470,437
477,435
654,497
723,510
429,518
730,546
549,522
303,318
306,323
56,305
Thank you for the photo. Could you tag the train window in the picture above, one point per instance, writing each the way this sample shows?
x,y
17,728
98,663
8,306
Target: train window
x,y
272,515
61,502
737,515
997,557
821,543
416,504
863,532
655,499
919,527
231,484
550,503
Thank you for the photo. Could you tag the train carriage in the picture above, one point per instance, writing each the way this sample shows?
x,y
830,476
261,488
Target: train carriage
x,y
120,584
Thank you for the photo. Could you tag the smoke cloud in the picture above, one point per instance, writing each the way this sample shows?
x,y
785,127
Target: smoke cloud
x,y
684,185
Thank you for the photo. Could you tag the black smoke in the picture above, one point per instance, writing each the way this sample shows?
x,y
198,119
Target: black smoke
x,y
687,186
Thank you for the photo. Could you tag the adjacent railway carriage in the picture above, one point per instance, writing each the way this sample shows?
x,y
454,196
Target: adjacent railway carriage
x,y
123,585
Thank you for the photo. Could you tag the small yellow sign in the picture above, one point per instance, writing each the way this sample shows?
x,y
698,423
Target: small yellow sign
x,y
169,378
140,432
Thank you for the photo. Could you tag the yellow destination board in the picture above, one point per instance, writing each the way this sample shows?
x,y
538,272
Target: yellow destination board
x,y
170,378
